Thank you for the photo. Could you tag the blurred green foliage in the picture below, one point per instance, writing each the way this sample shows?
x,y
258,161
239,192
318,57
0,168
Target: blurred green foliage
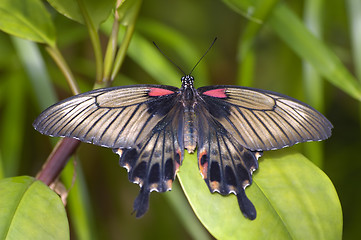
x,y
262,54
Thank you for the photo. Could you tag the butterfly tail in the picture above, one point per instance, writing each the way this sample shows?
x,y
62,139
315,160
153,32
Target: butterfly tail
x,y
246,206
141,203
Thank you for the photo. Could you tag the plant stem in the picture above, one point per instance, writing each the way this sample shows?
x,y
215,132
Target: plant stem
x,y
59,60
122,51
110,53
126,39
57,160
94,37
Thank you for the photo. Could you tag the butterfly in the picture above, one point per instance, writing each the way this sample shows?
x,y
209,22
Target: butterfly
x,y
149,126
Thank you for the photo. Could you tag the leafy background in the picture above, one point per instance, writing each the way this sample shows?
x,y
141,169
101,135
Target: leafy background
x,y
183,30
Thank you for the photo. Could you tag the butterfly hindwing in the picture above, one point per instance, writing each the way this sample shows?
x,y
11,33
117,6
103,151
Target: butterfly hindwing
x,y
225,165
112,117
155,160
263,120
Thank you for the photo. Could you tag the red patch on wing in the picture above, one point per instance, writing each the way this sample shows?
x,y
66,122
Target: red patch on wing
x,y
156,92
179,157
203,168
218,93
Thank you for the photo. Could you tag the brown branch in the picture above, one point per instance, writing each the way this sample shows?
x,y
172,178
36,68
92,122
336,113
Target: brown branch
x,y
57,160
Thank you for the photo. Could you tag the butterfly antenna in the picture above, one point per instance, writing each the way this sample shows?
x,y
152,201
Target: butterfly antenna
x,y
169,59
203,55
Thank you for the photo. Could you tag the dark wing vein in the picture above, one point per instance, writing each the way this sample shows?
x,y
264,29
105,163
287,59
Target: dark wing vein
x,y
130,117
56,118
285,138
107,126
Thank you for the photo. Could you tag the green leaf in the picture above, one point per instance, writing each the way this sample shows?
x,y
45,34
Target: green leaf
x,y
187,52
292,31
308,47
246,51
354,9
79,207
31,210
292,196
250,9
181,207
144,53
261,12
34,64
2,172
98,10
13,122
313,83
148,56
27,19
128,11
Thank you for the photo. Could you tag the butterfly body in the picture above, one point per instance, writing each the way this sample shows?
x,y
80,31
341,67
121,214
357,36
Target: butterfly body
x,y
189,100
149,126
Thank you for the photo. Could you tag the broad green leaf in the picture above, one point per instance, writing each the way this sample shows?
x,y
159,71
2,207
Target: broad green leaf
x,y
31,210
27,19
294,200
181,207
98,10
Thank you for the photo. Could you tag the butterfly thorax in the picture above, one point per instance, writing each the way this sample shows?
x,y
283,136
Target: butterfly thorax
x,y
189,121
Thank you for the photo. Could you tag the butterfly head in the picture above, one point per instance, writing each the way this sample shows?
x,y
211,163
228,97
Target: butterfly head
x,y
187,81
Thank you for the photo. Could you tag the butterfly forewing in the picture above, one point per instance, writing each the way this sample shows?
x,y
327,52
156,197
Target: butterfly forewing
x,y
113,117
262,120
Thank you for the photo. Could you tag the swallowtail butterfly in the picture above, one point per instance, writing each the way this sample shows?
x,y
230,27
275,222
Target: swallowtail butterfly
x,y
149,126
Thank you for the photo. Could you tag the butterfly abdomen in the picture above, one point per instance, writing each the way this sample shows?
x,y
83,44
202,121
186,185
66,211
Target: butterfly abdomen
x,y
190,131
189,120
